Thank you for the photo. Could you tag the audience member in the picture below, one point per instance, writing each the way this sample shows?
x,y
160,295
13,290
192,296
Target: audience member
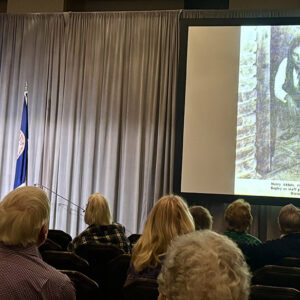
x,y
287,245
168,218
238,218
204,265
202,217
101,229
24,218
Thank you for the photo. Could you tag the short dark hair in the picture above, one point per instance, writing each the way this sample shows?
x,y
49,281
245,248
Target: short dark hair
x,y
202,217
289,219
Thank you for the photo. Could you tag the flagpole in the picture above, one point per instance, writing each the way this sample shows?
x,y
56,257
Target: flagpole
x,y
26,92
22,157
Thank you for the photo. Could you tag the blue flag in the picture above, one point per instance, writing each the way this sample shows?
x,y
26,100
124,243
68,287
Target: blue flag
x,y
21,167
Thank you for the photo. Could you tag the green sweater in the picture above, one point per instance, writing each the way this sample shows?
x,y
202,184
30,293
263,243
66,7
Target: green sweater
x,y
242,237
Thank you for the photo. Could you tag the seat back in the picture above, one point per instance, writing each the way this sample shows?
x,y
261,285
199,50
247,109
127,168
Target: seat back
x,y
280,276
289,262
60,237
261,292
85,287
66,261
133,238
49,245
98,256
146,289
116,276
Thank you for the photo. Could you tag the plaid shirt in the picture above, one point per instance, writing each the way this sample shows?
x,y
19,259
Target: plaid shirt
x,y
113,234
24,275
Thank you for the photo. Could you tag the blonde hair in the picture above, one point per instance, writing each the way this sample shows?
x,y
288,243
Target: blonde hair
x,y
23,212
204,265
238,216
289,219
97,211
202,217
168,218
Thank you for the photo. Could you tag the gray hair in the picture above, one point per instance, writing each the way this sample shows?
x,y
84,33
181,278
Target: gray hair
x,y
204,265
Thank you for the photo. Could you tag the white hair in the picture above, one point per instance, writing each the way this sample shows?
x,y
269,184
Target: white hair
x,y
204,265
23,212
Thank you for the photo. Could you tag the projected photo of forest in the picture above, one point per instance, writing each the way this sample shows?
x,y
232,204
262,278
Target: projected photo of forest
x,y
268,121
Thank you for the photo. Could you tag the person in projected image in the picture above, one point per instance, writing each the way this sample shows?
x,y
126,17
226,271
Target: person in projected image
x,y
287,88
288,245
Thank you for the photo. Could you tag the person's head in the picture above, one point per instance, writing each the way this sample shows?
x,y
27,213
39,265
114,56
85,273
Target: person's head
x,y
202,217
24,217
204,265
238,216
294,52
293,62
97,211
289,219
168,218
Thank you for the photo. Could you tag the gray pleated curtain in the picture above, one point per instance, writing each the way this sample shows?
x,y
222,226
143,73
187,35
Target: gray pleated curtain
x,y
102,92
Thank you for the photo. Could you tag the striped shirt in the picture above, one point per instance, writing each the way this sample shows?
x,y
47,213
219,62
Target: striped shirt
x,y
24,275
113,234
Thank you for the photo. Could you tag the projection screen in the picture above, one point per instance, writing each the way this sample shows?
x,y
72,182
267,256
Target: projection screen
x,y
241,113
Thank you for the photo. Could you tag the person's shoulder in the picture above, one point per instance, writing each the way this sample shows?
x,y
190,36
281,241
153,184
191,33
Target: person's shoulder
x,y
87,231
118,226
55,275
229,233
253,238
291,239
58,286
294,236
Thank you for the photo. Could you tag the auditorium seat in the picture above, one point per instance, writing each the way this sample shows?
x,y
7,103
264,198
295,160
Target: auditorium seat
x,y
145,289
85,287
289,262
60,237
49,245
133,238
261,292
116,276
98,256
280,276
65,260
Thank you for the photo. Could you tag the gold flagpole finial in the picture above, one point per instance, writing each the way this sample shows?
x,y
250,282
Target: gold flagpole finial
x,y
26,86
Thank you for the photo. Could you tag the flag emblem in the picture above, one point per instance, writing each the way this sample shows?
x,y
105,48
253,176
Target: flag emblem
x,y
21,144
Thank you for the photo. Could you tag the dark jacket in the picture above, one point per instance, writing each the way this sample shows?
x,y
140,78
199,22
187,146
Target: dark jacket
x,y
271,251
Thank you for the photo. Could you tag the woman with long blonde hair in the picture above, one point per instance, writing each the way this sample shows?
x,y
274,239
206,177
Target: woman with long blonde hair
x,y
169,218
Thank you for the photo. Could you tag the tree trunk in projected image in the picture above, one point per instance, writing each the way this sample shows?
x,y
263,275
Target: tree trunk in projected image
x,y
254,141
263,106
246,121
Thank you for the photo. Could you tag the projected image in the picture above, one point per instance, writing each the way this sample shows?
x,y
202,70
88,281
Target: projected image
x,y
268,121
